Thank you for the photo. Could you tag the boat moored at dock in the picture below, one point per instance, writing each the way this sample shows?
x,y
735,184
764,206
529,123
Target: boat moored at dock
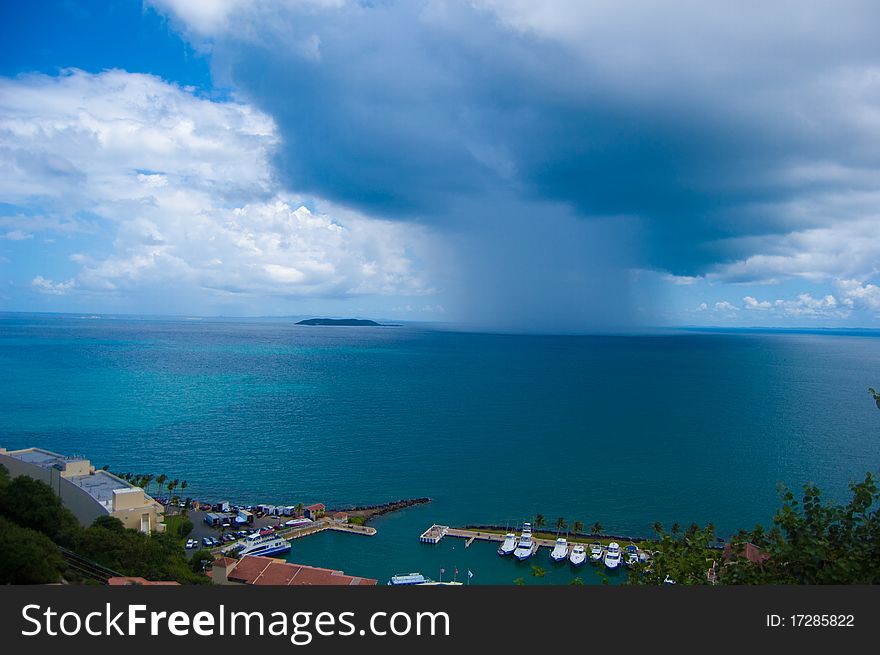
x,y
413,579
408,580
525,547
578,555
632,555
508,545
597,551
263,544
612,555
560,550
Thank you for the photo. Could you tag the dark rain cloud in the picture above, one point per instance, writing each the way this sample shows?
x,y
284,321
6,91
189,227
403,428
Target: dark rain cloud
x,y
694,121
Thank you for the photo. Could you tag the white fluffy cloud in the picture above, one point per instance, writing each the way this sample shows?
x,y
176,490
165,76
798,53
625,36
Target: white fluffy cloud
x,y
182,190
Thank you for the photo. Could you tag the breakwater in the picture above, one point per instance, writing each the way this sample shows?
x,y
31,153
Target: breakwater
x,y
368,512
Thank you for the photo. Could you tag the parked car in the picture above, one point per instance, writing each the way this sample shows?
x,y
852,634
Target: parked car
x,y
207,542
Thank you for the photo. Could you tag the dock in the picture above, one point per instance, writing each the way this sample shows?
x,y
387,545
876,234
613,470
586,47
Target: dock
x,y
434,534
297,532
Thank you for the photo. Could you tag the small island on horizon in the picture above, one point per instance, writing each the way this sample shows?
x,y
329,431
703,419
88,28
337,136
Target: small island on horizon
x,y
353,322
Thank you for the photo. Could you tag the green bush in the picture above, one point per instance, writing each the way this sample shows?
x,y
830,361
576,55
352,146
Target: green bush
x,y
28,557
32,504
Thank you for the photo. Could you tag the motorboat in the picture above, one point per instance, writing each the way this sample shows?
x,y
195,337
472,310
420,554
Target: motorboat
x,y
597,551
560,550
508,545
525,547
578,555
612,555
632,555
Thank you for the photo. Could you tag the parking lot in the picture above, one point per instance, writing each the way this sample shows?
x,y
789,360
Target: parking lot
x,y
201,529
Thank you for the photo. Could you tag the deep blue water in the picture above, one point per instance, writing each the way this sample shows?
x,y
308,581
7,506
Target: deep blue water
x,y
625,430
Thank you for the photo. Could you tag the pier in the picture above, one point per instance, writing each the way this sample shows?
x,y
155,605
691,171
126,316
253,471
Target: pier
x,y
474,535
298,532
434,534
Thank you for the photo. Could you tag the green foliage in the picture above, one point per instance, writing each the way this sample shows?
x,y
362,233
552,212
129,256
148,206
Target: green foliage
x,y
33,514
540,521
154,557
109,523
538,572
597,528
685,558
178,526
876,397
28,557
32,504
577,582
815,542
519,582
199,559
356,520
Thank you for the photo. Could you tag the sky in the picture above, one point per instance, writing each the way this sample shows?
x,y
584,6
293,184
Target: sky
x,y
562,166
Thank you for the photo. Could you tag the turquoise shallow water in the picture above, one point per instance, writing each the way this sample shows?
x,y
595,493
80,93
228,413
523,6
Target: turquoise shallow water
x,y
624,430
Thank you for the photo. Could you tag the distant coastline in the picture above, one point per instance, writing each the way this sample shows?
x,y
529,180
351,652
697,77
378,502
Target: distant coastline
x,y
349,322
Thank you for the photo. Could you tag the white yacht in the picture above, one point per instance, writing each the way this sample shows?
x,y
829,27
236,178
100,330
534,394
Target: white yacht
x,y
526,545
578,555
508,545
264,544
612,555
596,551
632,555
560,550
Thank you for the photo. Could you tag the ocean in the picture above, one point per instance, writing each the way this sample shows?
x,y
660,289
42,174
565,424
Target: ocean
x,y
679,426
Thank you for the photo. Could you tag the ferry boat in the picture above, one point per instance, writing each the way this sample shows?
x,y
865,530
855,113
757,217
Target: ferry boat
x,y
612,556
411,579
596,551
264,544
525,546
509,544
560,550
578,555
407,580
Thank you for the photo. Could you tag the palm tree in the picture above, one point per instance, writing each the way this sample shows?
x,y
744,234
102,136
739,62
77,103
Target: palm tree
x,y
539,521
577,527
298,510
658,527
183,485
597,528
160,481
675,529
172,486
560,525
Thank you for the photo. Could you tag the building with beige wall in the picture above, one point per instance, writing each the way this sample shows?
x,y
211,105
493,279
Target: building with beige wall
x,y
87,492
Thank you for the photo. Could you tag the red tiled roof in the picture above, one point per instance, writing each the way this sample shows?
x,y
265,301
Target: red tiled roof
x,y
257,570
749,550
316,506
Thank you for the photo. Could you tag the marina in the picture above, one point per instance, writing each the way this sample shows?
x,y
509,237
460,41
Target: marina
x,y
527,545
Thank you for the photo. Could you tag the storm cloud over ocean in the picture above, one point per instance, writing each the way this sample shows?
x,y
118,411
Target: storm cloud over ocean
x,y
507,165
